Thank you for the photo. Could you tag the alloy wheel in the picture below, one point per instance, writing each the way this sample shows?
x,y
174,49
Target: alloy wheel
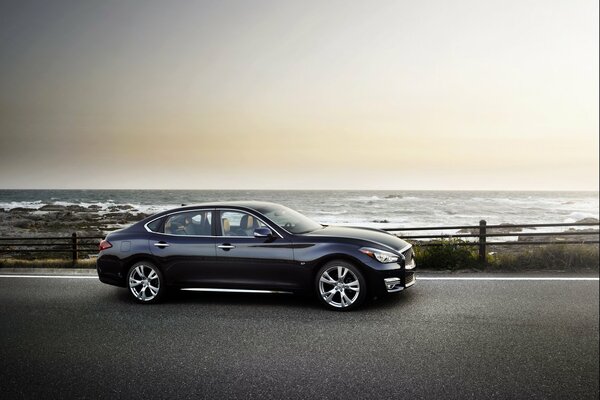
x,y
144,282
339,286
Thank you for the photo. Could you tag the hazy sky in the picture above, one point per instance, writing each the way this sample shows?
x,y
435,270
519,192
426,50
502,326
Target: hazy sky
x,y
299,95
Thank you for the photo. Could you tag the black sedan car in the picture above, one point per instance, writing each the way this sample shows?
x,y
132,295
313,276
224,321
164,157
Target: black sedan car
x,y
254,247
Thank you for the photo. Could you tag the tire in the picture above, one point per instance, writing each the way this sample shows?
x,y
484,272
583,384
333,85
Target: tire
x,y
145,283
340,286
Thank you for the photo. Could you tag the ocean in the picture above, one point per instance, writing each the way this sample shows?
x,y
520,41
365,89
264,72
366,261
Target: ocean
x,y
346,207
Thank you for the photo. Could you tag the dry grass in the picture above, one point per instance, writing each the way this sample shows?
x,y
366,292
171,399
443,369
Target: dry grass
x,y
448,256
451,256
557,257
46,263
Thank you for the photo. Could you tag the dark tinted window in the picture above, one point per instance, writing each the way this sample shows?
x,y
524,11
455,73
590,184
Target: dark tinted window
x,y
154,226
191,223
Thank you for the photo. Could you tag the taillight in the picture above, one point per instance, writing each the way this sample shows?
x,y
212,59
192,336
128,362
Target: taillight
x,y
104,244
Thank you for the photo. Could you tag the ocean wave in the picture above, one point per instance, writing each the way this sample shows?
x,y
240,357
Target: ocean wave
x,y
21,204
323,212
578,216
366,198
342,207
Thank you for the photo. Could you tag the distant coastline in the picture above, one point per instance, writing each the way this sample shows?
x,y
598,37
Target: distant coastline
x,y
38,212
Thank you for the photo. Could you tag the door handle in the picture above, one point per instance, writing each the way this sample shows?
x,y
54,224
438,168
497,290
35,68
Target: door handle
x,y
161,244
226,246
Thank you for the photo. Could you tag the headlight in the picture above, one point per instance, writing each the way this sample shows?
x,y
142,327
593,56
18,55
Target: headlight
x,y
380,255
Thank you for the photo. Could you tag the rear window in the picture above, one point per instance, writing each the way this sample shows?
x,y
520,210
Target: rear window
x,y
154,226
191,223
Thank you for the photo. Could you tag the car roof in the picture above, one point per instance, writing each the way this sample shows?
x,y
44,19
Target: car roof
x,y
243,205
253,205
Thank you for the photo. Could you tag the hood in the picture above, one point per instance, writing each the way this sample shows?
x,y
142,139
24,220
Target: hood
x,y
370,234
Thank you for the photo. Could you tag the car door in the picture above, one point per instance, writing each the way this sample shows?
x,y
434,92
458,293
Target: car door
x,y
250,262
185,247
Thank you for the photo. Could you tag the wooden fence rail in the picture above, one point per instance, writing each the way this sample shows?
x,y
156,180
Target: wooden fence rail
x,y
481,232
74,245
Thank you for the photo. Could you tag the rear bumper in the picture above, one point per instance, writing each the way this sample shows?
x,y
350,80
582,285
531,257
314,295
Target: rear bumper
x,y
111,280
110,270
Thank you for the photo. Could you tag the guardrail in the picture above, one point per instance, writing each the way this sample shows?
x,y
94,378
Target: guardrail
x,y
74,245
482,235
66,245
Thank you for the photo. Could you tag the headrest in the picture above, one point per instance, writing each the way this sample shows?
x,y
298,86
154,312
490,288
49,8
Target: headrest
x,y
226,226
247,222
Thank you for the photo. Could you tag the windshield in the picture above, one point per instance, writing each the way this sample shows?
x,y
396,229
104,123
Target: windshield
x,y
290,220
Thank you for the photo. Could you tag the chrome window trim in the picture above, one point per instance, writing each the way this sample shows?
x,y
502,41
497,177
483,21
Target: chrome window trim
x,y
208,236
178,212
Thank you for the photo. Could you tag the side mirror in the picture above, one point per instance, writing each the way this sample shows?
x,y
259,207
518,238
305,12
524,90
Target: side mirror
x,y
263,233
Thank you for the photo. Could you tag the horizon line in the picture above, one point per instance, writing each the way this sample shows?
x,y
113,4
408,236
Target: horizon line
x,y
321,190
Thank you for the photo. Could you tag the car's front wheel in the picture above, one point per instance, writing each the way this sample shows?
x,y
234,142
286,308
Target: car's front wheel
x,y
145,282
340,286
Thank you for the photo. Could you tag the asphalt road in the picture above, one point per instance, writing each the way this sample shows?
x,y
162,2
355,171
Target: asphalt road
x,y
440,339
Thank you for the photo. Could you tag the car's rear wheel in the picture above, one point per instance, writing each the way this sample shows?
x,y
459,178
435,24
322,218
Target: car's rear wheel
x,y
145,282
340,286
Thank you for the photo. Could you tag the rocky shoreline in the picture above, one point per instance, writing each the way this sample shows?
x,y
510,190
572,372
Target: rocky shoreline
x,y
64,220
511,228
94,220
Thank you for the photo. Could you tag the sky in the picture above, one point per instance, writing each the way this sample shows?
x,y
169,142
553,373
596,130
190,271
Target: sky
x,y
415,95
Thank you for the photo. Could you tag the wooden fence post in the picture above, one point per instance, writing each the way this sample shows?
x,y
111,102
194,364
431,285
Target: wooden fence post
x,y
482,237
74,247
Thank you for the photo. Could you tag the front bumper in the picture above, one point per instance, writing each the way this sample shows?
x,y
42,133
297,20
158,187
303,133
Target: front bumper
x,y
396,284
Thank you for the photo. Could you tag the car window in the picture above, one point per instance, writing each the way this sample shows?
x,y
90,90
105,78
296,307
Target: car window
x,y
192,223
155,225
237,223
290,220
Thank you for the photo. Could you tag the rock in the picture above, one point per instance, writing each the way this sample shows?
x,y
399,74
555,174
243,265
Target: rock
x,y
23,224
588,220
506,228
77,208
19,210
89,217
67,215
589,229
132,217
52,207
120,207
381,221
94,207
531,238
503,228
121,216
